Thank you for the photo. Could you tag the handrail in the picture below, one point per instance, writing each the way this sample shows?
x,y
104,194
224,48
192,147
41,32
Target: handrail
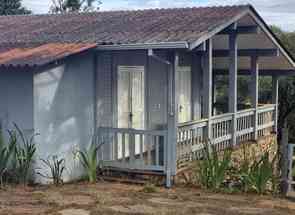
x,y
132,131
190,123
194,133
220,116
266,108
241,113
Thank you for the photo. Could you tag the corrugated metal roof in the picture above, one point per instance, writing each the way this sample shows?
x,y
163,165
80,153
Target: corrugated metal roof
x,y
117,27
38,55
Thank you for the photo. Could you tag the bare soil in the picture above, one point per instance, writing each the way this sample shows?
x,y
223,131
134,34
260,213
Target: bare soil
x,y
113,198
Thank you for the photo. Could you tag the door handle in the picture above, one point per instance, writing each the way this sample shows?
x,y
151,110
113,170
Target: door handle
x,y
180,108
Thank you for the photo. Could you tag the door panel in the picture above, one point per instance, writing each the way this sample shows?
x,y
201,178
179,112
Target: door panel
x,y
131,97
123,98
137,103
184,89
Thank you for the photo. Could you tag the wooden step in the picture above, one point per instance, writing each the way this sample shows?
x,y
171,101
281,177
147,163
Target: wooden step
x,y
132,176
134,171
124,180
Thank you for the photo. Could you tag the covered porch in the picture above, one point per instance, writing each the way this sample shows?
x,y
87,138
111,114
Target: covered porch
x,y
189,114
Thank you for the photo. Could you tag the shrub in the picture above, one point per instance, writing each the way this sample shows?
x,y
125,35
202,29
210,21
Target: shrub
x,y
6,158
213,167
57,167
89,161
24,154
259,174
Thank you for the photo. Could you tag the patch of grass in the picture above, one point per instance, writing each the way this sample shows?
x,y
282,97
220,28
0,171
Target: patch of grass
x,y
150,188
100,199
38,195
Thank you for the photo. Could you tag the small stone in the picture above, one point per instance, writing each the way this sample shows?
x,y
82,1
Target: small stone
x,y
133,209
74,212
250,210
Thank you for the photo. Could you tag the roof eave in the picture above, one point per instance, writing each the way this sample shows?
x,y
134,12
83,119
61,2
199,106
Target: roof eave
x,y
218,29
144,46
254,14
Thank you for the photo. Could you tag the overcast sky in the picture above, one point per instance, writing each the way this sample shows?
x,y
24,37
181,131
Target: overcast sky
x,y
278,12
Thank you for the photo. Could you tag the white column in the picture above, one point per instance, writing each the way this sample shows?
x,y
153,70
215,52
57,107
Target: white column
x,y
172,118
254,92
275,100
233,75
207,85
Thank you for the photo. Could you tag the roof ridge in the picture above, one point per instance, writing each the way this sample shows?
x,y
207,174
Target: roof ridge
x,y
129,10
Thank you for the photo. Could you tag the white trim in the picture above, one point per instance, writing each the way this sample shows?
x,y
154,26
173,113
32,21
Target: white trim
x,y
137,46
216,30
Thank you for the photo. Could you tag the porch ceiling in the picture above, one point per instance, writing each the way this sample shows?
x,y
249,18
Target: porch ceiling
x,y
261,41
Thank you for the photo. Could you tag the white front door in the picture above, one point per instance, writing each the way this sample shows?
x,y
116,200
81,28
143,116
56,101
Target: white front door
x,y
184,93
131,107
131,97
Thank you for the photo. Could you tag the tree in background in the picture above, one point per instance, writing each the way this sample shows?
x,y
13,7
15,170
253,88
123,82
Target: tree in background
x,y
287,86
65,6
12,7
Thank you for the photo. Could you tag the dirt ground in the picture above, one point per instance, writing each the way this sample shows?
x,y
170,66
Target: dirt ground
x,y
114,198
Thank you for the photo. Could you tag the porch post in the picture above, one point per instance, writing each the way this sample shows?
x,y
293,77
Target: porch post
x,y
233,75
207,85
275,98
172,118
213,94
254,92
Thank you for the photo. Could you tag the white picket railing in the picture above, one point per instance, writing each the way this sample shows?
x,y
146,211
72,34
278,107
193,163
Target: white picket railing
x,y
192,135
132,148
190,138
148,149
265,120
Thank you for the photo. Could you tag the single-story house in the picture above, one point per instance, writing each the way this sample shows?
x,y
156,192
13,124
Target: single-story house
x,y
140,82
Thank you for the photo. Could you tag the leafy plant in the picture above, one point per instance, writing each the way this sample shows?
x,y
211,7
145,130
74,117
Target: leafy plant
x,y
258,174
24,155
6,152
4,157
213,167
88,159
57,167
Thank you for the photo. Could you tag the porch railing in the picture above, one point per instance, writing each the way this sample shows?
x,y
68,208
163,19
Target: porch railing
x,y
191,136
133,149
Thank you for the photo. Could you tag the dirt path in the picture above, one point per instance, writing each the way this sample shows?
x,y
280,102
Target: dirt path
x,y
110,198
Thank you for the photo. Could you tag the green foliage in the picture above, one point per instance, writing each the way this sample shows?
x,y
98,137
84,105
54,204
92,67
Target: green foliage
x,y
12,7
6,155
259,174
287,85
149,188
65,6
4,158
57,167
213,167
24,153
88,159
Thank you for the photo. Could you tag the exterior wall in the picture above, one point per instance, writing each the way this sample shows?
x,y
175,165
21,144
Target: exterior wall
x,y
156,86
16,100
64,111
